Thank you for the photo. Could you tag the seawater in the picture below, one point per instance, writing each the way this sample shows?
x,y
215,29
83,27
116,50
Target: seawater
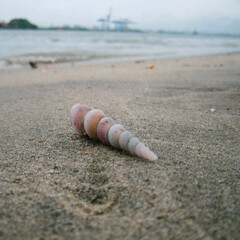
x,y
18,47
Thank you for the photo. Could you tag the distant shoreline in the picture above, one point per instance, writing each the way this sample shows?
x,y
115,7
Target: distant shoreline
x,y
24,24
160,32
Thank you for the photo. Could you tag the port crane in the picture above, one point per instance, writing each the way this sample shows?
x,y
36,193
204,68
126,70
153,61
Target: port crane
x,y
106,21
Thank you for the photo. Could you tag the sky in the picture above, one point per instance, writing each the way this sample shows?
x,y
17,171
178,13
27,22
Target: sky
x,y
175,15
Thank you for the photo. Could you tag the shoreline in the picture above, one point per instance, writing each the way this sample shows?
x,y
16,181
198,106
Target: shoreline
x,y
74,48
57,184
111,60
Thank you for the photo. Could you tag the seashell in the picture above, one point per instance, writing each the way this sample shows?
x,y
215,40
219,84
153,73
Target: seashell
x,y
91,121
132,144
96,125
145,152
78,113
124,139
103,127
114,134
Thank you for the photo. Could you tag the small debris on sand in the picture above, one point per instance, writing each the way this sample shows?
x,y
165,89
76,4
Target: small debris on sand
x,y
35,64
150,66
139,61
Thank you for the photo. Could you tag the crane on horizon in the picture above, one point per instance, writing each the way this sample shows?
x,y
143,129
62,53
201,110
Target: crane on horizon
x,y
122,24
106,21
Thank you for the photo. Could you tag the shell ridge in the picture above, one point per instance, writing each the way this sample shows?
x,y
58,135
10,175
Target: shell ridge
x,y
132,144
124,139
103,128
114,134
91,120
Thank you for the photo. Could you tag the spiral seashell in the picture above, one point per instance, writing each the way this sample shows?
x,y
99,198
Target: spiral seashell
x,y
103,127
114,134
78,112
91,121
96,125
124,139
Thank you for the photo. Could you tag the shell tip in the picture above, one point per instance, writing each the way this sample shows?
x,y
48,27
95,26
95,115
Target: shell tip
x,y
152,156
145,152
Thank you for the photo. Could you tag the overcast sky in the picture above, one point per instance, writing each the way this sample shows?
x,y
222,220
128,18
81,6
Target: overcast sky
x,y
202,15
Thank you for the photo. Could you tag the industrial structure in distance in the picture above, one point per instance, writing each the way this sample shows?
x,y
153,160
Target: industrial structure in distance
x,y
119,25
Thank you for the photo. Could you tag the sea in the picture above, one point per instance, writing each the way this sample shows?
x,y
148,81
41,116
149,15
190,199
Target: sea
x,y
19,47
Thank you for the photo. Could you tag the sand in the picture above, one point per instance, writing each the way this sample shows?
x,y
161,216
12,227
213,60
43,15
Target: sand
x,y
55,184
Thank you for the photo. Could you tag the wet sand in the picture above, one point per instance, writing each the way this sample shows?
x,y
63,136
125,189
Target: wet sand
x,y
55,184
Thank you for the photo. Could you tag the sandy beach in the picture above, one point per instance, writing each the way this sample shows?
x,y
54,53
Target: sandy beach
x,y
56,184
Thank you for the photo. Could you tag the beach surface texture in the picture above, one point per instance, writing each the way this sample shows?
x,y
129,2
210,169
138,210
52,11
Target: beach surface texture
x,y
56,184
